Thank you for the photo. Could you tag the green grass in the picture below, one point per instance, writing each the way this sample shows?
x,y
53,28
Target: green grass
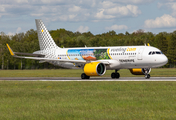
x,y
27,100
166,72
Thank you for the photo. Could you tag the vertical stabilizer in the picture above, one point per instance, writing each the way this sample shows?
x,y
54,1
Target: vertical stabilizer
x,y
45,39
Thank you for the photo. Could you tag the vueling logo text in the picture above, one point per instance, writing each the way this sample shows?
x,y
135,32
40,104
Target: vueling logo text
x,y
131,49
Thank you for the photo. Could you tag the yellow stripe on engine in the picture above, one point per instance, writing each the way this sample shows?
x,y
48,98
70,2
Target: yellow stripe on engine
x,y
108,53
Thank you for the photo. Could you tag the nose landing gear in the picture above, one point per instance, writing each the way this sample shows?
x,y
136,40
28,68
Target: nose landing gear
x,y
147,76
146,71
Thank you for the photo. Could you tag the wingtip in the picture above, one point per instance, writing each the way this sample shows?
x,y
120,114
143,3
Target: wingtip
x,y
10,50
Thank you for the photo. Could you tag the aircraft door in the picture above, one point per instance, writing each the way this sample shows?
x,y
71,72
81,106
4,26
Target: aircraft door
x,y
139,56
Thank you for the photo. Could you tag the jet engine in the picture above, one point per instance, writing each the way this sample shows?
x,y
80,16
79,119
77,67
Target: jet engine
x,y
94,69
140,71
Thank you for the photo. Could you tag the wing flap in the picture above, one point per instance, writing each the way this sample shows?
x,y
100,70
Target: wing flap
x,y
51,59
29,54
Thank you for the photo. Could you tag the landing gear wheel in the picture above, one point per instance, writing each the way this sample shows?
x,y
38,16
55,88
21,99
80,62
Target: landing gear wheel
x,y
147,76
115,75
84,76
87,77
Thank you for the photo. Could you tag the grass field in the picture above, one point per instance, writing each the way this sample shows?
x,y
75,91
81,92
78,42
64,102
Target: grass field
x,y
27,100
166,72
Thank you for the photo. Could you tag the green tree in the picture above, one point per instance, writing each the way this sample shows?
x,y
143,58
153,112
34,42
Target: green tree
x,y
161,42
171,52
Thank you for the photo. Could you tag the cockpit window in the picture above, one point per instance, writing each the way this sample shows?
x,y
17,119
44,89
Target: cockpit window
x,y
155,52
158,52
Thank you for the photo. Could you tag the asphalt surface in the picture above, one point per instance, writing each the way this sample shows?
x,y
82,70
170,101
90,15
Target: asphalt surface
x,y
91,79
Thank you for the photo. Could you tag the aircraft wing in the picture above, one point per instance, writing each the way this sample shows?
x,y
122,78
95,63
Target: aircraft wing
x,y
29,54
51,59
42,58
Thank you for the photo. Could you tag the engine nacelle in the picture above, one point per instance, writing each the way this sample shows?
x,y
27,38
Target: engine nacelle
x,y
94,69
140,71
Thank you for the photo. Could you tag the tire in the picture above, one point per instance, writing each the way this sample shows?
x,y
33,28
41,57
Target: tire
x,y
84,76
113,75
147,76
87,77
117,75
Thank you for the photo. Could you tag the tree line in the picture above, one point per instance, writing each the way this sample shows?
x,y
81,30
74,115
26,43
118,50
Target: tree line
x,y
28,43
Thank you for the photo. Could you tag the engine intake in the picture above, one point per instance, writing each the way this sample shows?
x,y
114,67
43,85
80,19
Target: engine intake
x,y
140,71
94,69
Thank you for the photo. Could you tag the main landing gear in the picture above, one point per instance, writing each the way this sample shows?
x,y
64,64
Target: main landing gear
x,y
84,76
115,75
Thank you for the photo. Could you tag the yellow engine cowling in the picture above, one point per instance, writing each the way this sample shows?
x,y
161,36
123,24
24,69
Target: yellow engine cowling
x,y
140,71
94,69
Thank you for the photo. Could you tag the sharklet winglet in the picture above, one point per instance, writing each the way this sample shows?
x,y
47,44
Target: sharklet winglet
x,y
10,50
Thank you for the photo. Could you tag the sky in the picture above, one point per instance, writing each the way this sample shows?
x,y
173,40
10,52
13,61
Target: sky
x,y
96,16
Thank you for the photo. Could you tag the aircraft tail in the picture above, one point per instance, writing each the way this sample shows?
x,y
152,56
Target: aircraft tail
x,y
45,39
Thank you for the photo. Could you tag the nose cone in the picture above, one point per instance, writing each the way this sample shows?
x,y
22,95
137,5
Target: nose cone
x,y
165,60
162,60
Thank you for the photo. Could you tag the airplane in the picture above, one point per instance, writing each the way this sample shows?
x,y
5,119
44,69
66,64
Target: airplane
x,y
95,60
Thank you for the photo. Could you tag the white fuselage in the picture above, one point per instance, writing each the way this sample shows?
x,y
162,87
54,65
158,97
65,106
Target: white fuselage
x,y
120,57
